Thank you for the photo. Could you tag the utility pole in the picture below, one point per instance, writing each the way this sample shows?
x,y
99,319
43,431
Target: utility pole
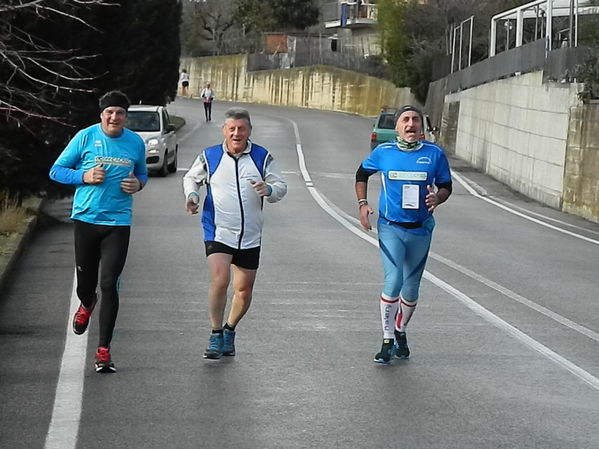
x,y
571,23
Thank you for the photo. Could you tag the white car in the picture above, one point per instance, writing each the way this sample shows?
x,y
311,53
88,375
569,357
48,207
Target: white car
x,y
154,126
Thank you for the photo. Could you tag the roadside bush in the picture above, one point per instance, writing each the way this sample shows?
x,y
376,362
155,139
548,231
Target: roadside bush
x,y
588,73
12,216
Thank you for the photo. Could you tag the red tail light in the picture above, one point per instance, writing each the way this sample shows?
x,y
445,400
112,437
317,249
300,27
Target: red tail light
x,y
372,137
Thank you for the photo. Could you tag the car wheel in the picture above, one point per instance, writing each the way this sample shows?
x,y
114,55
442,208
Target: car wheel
x,y
172,167
164,169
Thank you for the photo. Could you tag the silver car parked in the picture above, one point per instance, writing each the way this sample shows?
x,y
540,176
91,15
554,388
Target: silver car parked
x,y
153,124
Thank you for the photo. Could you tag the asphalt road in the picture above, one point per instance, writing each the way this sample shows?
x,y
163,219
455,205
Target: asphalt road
x,y
504,340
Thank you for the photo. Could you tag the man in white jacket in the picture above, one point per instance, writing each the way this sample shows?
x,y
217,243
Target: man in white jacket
x,y
238,175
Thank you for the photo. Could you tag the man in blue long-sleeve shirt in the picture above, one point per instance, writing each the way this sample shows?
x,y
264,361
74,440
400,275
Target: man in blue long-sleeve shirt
x,y
106,163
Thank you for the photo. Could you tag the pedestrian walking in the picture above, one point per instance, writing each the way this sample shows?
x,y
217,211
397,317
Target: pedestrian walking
x,y
415,178
184,80
107,164
238,175
208,95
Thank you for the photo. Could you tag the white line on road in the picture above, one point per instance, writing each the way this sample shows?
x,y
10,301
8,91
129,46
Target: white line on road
x,y
487,315
66,414
544,217
474,193
585,376
302,160
518,298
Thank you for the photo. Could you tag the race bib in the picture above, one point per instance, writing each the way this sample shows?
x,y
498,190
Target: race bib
x,y
410,196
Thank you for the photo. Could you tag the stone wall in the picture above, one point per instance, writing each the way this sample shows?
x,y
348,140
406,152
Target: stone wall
x,y
317,87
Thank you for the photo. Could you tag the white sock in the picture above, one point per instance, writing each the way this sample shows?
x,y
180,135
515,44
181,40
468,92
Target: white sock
x,y
389,307
406,310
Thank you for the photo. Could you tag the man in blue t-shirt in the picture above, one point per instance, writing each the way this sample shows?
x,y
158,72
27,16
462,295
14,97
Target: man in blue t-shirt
x,y
409,168
107,164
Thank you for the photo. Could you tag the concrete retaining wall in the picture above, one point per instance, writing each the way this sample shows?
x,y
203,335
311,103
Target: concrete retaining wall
x,y
516,130
581,180
317,87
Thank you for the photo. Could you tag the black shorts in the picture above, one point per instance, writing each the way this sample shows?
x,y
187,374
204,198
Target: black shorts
x,y
185,83
243,258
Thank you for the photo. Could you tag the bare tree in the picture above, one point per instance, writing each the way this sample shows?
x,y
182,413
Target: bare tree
x,y
34,72
208,21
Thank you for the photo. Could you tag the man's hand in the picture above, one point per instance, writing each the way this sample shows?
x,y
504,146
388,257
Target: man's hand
x,y
364,213
131,184
94,175
261,188
432,199
192,204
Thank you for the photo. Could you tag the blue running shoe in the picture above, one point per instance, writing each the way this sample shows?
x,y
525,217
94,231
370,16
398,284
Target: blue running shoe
x,y
214,351
386,352
228,343
402,351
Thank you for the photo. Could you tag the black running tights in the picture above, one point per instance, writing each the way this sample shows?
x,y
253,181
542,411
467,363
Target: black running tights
x,y
104,247
208,110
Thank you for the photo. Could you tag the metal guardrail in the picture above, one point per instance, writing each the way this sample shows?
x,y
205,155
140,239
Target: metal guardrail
x,y
527,58
557,64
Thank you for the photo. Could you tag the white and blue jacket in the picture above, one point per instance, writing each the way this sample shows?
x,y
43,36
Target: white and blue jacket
x,y
232,212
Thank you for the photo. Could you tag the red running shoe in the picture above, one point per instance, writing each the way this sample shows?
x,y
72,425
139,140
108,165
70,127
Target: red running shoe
x,y
81,319
103,362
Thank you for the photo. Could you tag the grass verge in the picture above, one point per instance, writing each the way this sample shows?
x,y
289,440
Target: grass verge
x,y
12,219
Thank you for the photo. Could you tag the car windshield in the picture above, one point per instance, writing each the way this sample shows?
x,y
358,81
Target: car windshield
x,y
387,121
143,121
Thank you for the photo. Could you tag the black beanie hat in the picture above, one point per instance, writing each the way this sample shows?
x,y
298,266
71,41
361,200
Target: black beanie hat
x,y
407,108
114,98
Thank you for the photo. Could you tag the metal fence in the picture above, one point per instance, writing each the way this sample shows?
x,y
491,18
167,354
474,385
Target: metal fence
x,y
527,58
320,50
560,64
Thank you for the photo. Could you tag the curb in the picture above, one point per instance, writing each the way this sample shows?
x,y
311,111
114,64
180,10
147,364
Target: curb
x,y
17,243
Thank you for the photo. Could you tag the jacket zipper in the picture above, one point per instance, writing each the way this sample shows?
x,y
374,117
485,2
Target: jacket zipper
x,y
240,202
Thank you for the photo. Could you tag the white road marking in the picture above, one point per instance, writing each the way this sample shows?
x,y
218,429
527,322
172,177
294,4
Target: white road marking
x,y
66,414
487,315
585,376
474,193
518,298
302,160
536,214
